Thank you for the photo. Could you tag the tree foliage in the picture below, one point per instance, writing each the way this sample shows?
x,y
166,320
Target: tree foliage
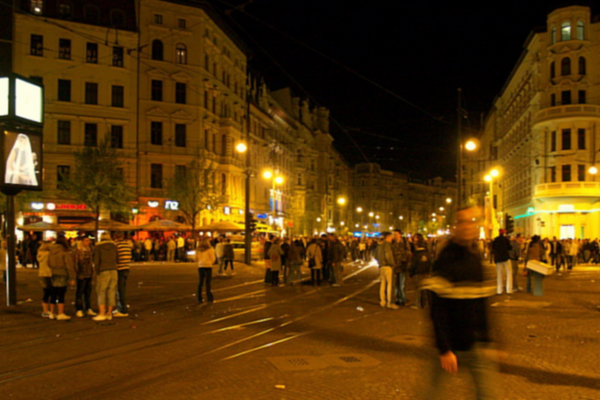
x,y
97,180
195,189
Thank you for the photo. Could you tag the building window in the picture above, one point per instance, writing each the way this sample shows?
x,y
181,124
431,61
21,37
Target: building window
x,y
158,19
37,7
181,23
156,176
581,173
552,70
65,11
157,50
224,145
565,97
118,56
156,130
64,49
565,66
566,173
180,135
553,141
223,184
117,18
565,31
91,14
181,53
37,45
206,138
64,132
90,135
552,174
91,53
581,96
91,93
157,90
566,139
64,90
552,100
118,96
180,93
553,34
214,105
206,61
580,33
582,67
580,139
62,176
116,136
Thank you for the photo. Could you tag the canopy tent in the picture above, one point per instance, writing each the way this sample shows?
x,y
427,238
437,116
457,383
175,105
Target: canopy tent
x,y
105,225
223,226
164,225
42,227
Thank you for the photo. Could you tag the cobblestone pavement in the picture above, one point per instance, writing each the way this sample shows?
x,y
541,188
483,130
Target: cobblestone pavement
x,y
287,343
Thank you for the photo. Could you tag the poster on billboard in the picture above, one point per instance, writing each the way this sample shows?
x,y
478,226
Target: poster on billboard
x,y
22,162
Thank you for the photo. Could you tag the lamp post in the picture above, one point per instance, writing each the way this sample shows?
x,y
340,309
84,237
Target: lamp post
x,y
242,148
492,223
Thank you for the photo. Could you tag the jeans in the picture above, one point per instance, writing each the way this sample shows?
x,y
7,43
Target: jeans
x,y
205,274
385,286
106,288
400,278
122,291
503,268
84,294
482,368
226,263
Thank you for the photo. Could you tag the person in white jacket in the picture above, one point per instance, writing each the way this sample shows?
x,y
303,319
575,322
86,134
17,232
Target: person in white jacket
x,y
205,257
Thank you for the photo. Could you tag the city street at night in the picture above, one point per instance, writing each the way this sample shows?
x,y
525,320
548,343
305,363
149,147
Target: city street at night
x,y
260,342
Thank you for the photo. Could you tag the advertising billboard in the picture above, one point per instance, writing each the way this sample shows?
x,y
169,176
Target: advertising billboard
x,y
22,160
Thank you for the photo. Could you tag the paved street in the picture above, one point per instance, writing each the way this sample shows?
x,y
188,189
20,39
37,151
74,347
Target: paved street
x,y
259,342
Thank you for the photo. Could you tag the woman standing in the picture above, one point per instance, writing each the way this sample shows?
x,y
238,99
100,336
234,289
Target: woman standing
x,y
228,255
275,254
205,257
45,277
105,261
60,262
85,271
315,261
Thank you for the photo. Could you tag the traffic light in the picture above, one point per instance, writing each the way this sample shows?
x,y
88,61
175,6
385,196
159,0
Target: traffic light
x,y
510,224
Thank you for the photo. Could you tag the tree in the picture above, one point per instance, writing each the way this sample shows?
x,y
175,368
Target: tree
x,y
193,187
97,180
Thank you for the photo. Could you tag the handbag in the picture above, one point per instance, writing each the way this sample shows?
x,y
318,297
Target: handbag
x,y
312,263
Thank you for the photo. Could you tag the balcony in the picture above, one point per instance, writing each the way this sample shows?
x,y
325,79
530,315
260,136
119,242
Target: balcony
x,y
588,190
567,111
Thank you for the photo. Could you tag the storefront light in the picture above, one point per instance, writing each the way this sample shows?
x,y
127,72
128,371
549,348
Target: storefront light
x,y
37,206
152,204
51,206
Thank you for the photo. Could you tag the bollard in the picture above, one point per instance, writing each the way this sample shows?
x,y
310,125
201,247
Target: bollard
x,y
538,283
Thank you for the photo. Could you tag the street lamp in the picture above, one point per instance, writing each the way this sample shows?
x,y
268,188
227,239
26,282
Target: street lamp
x,y
593,170
448,200
341,201
371,214
241,147
471,145
493,174
267,174
318,219
279,180
359,209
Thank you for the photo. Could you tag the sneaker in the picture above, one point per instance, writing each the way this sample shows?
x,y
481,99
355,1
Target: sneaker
x,y
51,316
79,314
100,318
393,306
62,317
119,314
46,315
91,313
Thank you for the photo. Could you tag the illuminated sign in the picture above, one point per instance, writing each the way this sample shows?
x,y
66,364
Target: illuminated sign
x,y
4,93
226,210
22,159
37,206
28,101
152,204
51,206
171,205
566,207
71,207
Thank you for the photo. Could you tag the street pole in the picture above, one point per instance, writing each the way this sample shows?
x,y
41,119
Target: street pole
x,y
248,217
459,158
11,267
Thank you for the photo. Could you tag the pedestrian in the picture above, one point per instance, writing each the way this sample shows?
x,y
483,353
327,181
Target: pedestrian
x,y
61,263
3,260
124,251
266,241
180,248
459,312
205,257
106,259
44,276
285,248
420,269
228,256
385,259
294,264
315,261
34,244
501,248
401,258
171,247
148,249
85,271
336,255
534,253
275,254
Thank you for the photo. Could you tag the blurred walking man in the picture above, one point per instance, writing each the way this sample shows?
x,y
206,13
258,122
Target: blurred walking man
x,y
459,312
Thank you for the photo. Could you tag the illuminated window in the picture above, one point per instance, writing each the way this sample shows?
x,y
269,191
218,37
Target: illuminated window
x,y
37,7
580,34
157,50
181,53
565,31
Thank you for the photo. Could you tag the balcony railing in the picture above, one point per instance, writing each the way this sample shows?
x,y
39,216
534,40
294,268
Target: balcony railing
x,y
568,189
567,111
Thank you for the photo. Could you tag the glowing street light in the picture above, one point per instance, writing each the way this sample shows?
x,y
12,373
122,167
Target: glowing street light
x,y
448,200
471,145
441,208
241,147
279,180
487,178
593,170
341,201
494,173
267,174
359,209
318,219
377,217
401,217
371,214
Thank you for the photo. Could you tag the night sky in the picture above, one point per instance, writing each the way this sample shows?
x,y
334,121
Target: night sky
x,y
420,51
